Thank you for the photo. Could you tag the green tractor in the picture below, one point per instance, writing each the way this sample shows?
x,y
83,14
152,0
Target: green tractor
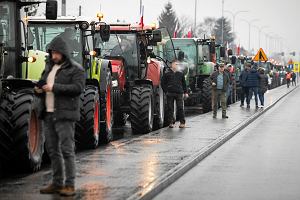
x,y
199,57
21,141
95,125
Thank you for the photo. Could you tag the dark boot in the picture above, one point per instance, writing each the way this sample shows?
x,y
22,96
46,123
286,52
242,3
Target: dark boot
x,y
51,189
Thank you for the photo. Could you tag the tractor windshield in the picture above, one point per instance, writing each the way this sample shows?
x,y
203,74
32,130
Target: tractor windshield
x,y
189,48
123,45
7,34
41,34
165,48
204,54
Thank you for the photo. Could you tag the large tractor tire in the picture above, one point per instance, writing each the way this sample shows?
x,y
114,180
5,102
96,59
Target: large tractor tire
x,y
28,140
206,95
119,117
87,129
6,141
141,107
106,109
159,117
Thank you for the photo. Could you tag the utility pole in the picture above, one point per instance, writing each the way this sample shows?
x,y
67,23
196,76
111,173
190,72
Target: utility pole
x,y
222,22
195,18
63,8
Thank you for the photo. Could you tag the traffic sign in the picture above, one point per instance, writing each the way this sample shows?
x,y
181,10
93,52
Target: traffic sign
x,y
260,56
296,66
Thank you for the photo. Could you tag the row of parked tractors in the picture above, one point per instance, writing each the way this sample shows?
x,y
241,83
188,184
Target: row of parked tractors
x,y
124,65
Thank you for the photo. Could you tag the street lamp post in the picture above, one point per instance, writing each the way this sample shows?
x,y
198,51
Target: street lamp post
x,y
234,17
195,18
260,29
222,22
250,24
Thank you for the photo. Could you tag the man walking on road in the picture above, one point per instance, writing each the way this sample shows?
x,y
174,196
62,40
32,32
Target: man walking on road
x,y
294,78
243,82
288,77
174,85
220,81
253,83
60,86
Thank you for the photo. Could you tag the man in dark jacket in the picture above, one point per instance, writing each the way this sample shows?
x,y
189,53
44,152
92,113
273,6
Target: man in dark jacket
x,y
60,86
245,88
220,81
252,82
174,85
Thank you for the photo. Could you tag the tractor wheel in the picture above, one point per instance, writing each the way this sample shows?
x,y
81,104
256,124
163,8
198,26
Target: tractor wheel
x,y
6,141
87,129
27,132
158,121
141,107
119,117
106,112
206,95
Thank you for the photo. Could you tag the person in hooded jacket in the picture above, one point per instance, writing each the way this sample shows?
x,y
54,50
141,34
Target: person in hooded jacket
x,y
263,86
252,82
60,87
243,82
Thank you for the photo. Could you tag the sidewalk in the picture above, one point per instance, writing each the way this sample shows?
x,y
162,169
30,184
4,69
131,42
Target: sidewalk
x,y
134,167
261,162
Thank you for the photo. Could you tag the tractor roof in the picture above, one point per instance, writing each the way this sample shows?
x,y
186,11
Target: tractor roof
x,y
66,19
130,28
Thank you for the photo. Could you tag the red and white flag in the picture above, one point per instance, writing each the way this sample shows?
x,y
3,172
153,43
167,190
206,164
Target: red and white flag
x,y
175,31
141,14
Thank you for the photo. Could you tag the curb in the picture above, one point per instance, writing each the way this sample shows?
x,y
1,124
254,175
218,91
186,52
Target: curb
x,y
172,175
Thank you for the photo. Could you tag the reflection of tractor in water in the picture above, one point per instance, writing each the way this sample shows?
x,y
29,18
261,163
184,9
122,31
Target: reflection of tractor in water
x,y
137,74
21,141
200,58
95,123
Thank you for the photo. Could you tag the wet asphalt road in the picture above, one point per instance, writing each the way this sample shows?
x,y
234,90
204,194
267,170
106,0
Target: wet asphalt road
x,y
128,165
261,162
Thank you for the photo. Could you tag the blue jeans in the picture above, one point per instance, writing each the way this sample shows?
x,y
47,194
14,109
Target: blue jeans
x,y
261,96
253,90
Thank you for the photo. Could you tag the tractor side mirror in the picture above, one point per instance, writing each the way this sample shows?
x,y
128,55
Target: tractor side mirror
x,y
51,9
156,36
105,32
222,52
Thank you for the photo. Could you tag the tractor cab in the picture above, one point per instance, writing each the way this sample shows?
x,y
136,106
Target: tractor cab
x,y
139,55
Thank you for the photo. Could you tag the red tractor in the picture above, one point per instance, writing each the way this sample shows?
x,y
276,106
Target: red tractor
x,y
137,73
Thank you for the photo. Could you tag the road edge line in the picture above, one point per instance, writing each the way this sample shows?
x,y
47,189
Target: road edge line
x,y
172,175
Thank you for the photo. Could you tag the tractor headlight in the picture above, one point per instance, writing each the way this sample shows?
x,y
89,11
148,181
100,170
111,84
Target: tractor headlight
x,y
115,83
31,59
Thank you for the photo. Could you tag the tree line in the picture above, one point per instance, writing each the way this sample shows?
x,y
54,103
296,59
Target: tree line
x,y
184,27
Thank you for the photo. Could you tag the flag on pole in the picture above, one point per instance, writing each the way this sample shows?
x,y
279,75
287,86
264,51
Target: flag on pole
x,y
175,31
190,34
141,14
238,51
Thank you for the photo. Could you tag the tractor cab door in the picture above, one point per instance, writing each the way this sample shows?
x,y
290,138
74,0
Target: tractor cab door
x,y
8,38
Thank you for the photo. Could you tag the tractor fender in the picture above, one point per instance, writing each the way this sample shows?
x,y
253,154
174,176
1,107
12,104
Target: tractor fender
x,y
100,68
104,79
143,82
154,72
17,84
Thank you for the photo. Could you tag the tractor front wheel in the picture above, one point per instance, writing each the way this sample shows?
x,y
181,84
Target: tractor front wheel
x,y
206,95
87,129
141,105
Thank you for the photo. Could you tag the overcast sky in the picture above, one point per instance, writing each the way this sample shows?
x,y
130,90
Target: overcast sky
x,y
280,16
